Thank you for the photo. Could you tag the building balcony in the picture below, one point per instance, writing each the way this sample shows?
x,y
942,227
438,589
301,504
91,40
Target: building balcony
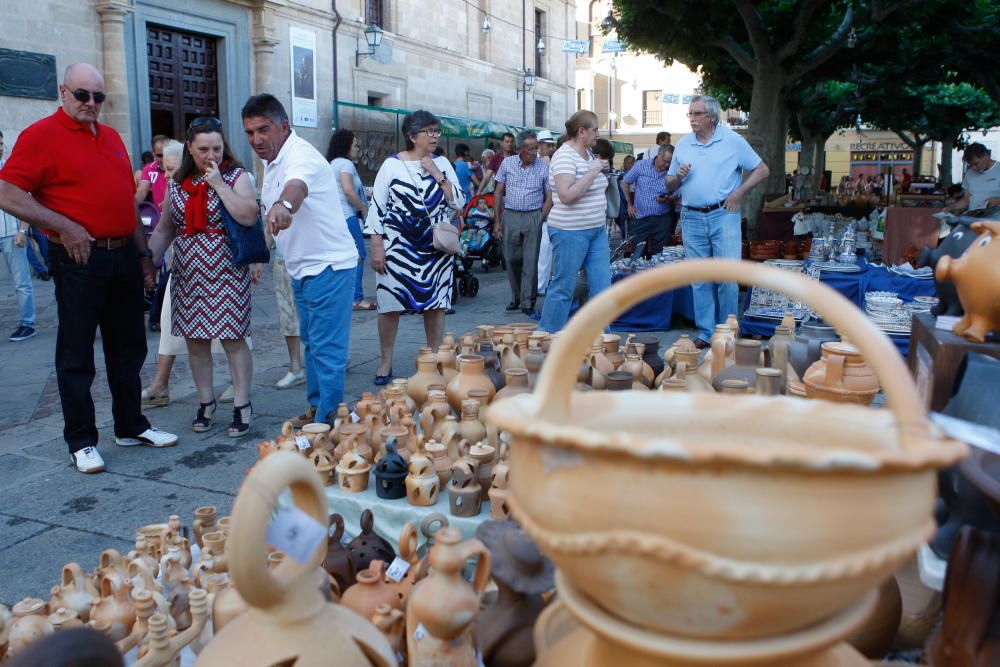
x,y
652,118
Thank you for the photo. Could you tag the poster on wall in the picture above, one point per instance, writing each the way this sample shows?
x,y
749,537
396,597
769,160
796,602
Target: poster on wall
x,y
303,55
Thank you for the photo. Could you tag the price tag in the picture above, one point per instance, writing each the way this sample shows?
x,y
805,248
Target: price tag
x,y
419,633
296,533
302,441
977,435
397,569
355,418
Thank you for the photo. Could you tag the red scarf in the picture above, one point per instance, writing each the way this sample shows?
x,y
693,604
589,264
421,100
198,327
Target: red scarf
x,y
196,209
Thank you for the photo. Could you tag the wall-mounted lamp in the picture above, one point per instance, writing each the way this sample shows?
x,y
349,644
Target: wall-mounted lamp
x,y
541,46
609,23
527,81
486,25
373,36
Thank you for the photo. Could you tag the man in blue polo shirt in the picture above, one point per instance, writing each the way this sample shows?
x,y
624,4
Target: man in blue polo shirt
x,y
648,204
708,168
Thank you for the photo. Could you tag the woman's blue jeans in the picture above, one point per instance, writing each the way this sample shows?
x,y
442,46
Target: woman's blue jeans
x,y
354,225
571,251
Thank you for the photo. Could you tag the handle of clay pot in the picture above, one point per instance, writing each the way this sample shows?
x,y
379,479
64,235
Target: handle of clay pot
x,y
247,542
427,525
338,521
835,368
557,378
408,540
481,577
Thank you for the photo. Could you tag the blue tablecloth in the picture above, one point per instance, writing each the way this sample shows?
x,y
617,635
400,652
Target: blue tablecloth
x,y
654,313
854,286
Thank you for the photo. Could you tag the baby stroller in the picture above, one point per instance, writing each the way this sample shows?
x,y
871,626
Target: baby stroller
x,y
478,236
466,283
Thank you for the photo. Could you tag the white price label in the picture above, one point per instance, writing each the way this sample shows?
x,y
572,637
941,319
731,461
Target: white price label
x,y
397,569
977,435
302,441
419,633
295,533
355,418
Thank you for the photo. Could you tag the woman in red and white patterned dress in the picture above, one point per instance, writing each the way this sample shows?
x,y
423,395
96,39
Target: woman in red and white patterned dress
x,y
210,294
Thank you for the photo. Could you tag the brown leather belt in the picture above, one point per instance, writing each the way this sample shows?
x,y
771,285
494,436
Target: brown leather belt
x,y
103,244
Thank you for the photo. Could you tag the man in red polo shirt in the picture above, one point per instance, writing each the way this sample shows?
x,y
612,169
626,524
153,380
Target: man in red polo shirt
x,y
70,176
153,181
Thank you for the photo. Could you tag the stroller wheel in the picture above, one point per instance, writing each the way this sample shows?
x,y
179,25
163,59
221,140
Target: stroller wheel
x,y
472,289
463,286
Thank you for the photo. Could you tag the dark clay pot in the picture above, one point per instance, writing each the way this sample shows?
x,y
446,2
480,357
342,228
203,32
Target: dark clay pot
x,y
805,349
369,545
338,563
390,473
650,353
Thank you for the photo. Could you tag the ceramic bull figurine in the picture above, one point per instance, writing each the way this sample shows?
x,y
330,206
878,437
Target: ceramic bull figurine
x,y
953,245
976,275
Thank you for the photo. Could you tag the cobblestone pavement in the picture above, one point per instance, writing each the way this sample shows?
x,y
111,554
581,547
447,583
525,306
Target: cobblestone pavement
x,y
52,515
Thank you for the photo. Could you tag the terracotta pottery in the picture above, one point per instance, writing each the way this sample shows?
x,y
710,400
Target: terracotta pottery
x,y
30,623
779,349
684,350
365,405
227,603
343,417
213,556
522,574
426,375
76,592
417,569
111,562
805,350
733,323
318,435
529,327
471,376
768,381
433,414
63,619
516,382
484,332
722,352
445,605
534,360
650,353
786,557
747,360
483,454
499,485
438,454
841,375
324,464
115,606
390,473
735,386
875,638
448,339
290,620
509,357
399,436
976,275
370,590
687,378
447,362
620,380
498,333
471,427
464,490
392,624
610,343
450,435
352,472
639,369
338,563
352,436
422,485
369,545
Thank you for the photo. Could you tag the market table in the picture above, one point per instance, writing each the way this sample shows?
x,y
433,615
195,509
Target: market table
x,y
775,224
654,314
908,224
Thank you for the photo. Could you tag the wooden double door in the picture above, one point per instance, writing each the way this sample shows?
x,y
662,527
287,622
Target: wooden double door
x,y
183,79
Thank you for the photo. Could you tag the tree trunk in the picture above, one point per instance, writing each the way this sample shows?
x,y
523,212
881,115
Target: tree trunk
x,y
918,157
768,131
947,148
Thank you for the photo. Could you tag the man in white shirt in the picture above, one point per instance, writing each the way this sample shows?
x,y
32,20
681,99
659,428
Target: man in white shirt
x,y
304,215
981,184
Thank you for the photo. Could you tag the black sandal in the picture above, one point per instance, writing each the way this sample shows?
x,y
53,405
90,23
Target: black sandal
x,y
204,420
240,428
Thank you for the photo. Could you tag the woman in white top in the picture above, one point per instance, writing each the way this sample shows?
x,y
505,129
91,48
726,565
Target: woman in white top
x,y
343,152
578,180
413,191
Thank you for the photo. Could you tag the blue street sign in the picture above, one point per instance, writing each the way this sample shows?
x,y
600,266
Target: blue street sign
x,y
575,46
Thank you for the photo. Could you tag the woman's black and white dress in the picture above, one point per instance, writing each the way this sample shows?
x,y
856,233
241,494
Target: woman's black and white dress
x,y
406,203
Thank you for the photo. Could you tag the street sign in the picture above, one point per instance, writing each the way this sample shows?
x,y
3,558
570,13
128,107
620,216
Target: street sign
x,y
613,46
575,46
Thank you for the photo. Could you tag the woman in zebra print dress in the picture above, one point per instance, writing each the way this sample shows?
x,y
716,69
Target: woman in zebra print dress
x,y
413,191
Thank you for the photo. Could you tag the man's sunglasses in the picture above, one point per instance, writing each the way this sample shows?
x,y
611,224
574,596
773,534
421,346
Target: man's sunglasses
x,y
83,96
201,121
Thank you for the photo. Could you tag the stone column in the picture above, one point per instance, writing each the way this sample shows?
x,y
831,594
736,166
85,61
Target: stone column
x,y
265,38
117,111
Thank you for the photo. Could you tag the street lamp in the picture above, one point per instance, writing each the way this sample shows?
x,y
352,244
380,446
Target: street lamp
x,y
373,36
609,23
486,25
852,39
527,81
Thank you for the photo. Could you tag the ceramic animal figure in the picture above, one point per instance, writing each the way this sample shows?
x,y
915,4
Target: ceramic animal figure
x,y
953,245
976,275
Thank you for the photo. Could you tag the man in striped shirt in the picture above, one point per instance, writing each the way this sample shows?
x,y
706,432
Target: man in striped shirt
x,y
521,201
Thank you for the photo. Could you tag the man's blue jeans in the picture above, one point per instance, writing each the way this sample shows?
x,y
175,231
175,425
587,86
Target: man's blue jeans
x,y
713,234
324,305
354,225
17,262
571,251
39,264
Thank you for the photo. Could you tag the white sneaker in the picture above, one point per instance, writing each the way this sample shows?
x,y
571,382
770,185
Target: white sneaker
x,y
290,380
227,395
151,437
88,460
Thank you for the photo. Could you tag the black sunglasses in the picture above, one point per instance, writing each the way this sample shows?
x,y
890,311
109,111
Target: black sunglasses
x,y
83,96
206,120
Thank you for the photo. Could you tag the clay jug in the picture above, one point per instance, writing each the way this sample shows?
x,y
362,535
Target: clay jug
x,y
492,364
747,359
841,375
422,484
418,567
686,378
499,483
353,436
516,382
464,490
343,417
484,333
721,352
204,522
426,375
649,353
318,435
806,349
788,321
399,435
370,590
471,427
338,563
449,339
364,405
778,348
534,360
392,624
734,324
433,414
498,333
451,436
640,370
31,623
213,556
483,455
61,619
447,362
403,384
369,545
438,454
115,606
227,603
112,562
76,592
445,605
509,358
768,381
610,345
471,376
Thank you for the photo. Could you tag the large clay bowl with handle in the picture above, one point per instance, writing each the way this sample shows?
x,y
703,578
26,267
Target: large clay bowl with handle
x,y
720,515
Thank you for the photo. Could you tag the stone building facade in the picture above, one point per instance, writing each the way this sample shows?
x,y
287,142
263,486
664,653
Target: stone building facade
x,y
168,61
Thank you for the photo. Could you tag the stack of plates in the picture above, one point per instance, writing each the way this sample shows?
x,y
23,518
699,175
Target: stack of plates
x,y
925,273
836,267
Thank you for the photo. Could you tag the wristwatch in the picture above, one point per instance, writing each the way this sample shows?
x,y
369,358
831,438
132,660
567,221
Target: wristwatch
x,y
287,204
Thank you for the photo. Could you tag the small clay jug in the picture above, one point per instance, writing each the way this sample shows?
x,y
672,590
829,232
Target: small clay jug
x,y
471,427
450,436
115,606
438,454
492,364
343,417
399,435
417,569
464,490
369,545
471,376
768,381
733,323
61,619
76,592
390,473
534,360
483,454
639,369
722,350
318,435
509,357
806,349
392,624
747,360
422,485
618,381
449,339
445,605
650,353
426,375
370,590
403,384
433,414
31,623
499,484
841,375
338,563
516,382
610,344
779,347
447,362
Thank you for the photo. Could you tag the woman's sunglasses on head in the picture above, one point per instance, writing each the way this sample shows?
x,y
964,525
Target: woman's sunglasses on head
x,y
203,121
